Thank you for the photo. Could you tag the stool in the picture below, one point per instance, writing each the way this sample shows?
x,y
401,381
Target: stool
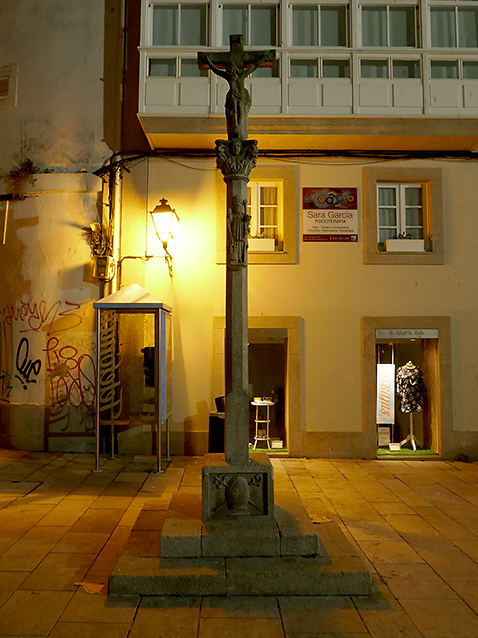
x,y
263,437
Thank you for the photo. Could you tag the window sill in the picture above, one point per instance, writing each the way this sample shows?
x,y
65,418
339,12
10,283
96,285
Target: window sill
x,y
405,258
261,245
405,245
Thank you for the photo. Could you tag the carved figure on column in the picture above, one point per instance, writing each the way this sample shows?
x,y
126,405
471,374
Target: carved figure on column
x,y
238,226
236,158
234,66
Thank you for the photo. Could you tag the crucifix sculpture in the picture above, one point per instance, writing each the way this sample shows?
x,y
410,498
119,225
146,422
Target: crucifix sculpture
x,y
234,66
236,157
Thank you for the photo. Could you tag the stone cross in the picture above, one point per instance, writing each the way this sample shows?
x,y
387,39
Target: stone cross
x,y
234,66
236,157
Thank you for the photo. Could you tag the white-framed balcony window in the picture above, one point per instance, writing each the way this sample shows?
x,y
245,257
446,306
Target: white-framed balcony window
x,y
175,67
399,212
319,67
394,68
453,69
258,23
389,26
454,26
179,24
264,205
320,25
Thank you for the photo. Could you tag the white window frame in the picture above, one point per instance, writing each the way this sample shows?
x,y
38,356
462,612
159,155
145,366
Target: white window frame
x,y
254,210
388,6
319,6
456,7
401,207
179,5
247,36
431,181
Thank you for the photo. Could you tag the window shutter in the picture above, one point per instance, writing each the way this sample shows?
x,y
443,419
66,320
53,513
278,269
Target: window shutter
x,y
4,86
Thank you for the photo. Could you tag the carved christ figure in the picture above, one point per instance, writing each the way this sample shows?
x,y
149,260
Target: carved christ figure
x,y
238,227
234,66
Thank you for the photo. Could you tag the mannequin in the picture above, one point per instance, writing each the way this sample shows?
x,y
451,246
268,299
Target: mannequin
x,y
411,388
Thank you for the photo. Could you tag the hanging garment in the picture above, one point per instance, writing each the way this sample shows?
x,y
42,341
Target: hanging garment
x,y
410,387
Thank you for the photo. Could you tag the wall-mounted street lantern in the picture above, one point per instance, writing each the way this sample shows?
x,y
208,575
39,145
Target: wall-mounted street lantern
x,y
163,217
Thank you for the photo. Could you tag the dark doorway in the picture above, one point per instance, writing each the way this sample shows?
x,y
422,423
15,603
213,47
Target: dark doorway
x,y
267,373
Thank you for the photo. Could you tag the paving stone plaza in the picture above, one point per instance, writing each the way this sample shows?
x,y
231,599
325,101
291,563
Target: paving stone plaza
x,y
63,527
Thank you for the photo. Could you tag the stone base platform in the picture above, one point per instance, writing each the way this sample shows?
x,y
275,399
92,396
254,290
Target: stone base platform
x,y
284,556
276,576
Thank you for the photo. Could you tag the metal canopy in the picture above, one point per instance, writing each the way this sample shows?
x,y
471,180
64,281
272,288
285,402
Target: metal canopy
x,y
134,298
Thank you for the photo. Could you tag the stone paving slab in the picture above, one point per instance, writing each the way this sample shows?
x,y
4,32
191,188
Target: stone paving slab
x,y
428,599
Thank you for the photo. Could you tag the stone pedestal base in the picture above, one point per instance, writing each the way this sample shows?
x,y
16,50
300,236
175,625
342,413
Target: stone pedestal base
x,y
237,490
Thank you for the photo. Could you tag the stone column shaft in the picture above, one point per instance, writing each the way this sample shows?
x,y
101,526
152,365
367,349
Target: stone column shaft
x,y
236,159
236,353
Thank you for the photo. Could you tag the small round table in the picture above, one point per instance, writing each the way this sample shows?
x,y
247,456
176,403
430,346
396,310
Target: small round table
x,y
262,422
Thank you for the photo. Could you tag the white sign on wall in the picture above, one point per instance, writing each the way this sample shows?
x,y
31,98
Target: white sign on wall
x,y
386,393
410,333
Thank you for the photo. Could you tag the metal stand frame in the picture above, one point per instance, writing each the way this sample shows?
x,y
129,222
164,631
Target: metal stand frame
x,y
410,437
267,420
147,304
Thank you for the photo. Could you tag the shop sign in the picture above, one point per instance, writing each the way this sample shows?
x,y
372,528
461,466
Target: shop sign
x,y
386,393
407,334
329,214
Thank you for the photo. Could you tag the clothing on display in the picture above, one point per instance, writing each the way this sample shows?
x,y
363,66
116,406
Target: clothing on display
x,y
410,387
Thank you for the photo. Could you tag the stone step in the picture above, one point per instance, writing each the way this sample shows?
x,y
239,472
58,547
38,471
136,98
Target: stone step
x,y
285,556
289,533
244,576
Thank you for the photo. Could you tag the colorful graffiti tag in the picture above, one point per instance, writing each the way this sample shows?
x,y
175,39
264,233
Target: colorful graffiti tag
x,y
39,344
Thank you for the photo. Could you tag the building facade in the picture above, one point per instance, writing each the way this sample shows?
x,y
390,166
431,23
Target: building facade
x,y
363,215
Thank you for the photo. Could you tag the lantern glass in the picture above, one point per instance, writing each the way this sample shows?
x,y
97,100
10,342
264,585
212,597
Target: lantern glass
x,y
162,217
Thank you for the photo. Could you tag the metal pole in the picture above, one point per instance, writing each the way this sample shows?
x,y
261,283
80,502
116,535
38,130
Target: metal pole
x,y
157,385
97,402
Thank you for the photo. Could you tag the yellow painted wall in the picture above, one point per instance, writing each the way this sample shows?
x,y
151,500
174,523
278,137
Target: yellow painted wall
x,y
330,287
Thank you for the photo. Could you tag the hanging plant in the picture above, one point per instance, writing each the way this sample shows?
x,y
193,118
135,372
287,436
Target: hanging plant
x,y
21,175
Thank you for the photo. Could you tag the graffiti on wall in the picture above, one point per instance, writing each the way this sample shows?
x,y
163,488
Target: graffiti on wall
x,y
39,347
71,375
33,317
26,369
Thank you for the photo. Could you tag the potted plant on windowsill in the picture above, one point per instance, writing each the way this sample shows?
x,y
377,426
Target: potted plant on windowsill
x,y
261,244
404,243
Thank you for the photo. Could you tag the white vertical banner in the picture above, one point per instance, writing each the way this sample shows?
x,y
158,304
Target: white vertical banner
x,y
386,393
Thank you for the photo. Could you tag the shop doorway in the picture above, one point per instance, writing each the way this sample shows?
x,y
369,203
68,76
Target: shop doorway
x,y
267,381
406,428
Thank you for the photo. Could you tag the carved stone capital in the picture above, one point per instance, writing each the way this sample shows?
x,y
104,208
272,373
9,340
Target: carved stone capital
x,y
236,158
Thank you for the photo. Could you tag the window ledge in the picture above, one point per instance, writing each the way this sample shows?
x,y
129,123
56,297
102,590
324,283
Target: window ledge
x,y
405,258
